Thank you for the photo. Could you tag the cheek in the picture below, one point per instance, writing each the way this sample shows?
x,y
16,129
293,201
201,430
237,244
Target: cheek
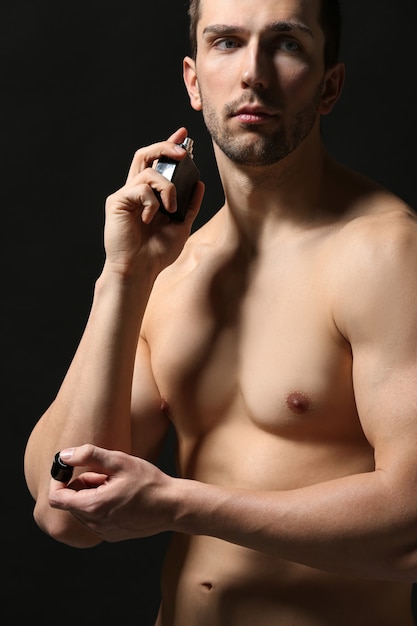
x,y
292,74
217,87
219,74
296,80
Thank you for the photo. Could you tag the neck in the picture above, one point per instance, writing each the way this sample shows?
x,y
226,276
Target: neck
x,y
286,193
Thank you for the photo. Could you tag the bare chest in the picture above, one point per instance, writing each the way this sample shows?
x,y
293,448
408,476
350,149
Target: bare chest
x,y
265,350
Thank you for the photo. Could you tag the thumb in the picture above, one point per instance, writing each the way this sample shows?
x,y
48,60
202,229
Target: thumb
x,y
95,458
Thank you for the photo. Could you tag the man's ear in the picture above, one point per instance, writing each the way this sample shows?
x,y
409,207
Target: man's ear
x,y
191,82
332,87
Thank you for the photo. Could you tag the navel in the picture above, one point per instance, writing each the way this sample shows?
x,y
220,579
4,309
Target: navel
x,y
298,402
165,408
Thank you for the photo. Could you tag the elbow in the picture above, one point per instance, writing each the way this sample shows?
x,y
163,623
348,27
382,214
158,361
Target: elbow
x,y
63,527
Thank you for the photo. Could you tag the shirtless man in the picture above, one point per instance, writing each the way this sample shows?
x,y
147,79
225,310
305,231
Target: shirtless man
x,y
280,339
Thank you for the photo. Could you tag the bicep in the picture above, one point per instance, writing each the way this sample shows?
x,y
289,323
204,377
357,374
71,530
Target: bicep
x,y
386,399
149,424
383,335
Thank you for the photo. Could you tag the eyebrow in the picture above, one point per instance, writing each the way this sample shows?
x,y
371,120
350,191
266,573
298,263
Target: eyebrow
x,y
282,26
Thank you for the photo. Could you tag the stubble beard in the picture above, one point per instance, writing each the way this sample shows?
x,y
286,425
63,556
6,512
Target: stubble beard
x,y
268,149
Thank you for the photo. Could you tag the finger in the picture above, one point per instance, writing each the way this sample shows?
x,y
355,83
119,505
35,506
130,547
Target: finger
x,y
85,481
162,193
145,195
101,463
78,495
145,157
96,459
179,135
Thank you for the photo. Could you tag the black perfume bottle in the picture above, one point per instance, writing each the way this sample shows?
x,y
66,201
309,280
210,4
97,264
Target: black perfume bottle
x,y
184,175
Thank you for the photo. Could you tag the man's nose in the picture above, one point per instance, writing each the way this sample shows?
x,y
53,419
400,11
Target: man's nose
x,y
255,67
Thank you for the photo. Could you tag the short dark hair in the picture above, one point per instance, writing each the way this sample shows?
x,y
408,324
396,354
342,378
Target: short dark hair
x,y
330,20
331,23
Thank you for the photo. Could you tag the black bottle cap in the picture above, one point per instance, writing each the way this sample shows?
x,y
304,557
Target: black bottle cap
x,y
60,470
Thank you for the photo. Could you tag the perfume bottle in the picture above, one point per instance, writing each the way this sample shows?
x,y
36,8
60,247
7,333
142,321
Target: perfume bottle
x,y
184,175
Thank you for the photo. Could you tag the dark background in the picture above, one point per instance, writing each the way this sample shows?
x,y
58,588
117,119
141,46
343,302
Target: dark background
x,y
83,84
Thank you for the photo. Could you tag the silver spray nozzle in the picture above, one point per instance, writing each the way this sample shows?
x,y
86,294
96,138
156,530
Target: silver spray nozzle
x,y
188,144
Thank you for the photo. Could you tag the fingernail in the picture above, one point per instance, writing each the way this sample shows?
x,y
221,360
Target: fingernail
x,y
66,454
179,148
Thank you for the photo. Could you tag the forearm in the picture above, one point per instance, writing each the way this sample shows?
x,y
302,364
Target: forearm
x,y
94,399
360,526
93,403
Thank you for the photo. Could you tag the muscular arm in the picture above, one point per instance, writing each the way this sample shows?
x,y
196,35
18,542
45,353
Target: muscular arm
x,y
363,525
95,403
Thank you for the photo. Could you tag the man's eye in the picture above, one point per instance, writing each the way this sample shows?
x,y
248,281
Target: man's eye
x,y
290,45
226,44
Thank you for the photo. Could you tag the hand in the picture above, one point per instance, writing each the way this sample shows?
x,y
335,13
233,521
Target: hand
x,y
118,496
136,234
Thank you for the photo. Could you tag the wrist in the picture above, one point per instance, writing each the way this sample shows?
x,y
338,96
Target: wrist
x,y
194,506
122,300
139,281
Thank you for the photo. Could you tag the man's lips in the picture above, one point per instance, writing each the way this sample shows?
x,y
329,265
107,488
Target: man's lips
x,y
254,115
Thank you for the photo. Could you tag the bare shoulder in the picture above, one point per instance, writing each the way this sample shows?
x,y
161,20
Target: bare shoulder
x,y
382,228
195,250
370,219
183,278
374,274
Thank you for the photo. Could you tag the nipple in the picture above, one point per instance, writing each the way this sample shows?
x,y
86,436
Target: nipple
x,y
298,403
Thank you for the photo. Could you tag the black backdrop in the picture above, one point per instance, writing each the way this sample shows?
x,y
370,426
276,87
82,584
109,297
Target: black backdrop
x,y
83,84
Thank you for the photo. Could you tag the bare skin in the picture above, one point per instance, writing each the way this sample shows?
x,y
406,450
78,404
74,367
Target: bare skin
x,y
268,414
280,340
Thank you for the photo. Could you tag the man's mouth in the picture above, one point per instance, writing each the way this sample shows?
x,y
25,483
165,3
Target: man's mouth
x,y
250,114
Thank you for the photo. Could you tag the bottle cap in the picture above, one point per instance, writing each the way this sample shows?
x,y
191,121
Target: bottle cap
x,y
60,470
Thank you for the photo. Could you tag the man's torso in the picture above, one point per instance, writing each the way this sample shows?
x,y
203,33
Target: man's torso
x,y
247,355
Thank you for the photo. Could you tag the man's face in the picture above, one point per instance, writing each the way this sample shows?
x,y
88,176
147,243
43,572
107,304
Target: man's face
x,y
260,73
